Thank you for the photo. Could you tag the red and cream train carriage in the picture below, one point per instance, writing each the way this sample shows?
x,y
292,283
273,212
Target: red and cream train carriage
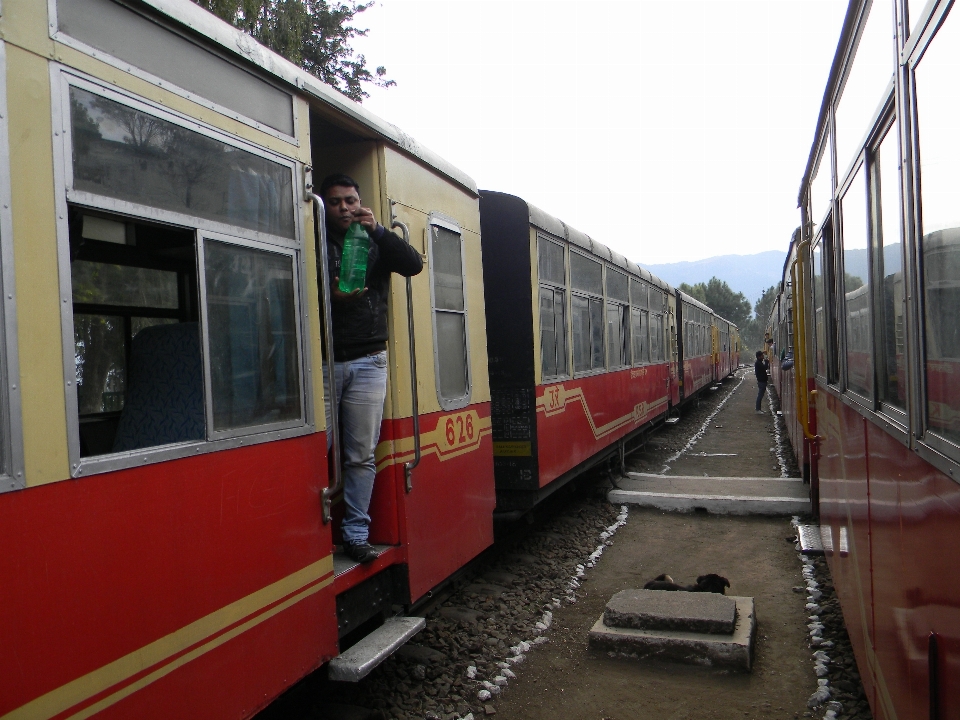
x,y
870,287
167,509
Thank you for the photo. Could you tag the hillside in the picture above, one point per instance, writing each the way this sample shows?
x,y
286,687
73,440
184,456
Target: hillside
x,y
749,274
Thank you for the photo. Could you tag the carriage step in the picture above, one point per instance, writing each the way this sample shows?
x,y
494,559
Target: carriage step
x,y
357,662
811,543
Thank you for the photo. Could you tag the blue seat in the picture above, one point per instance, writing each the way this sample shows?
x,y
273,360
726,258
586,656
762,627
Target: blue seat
x,y
164,398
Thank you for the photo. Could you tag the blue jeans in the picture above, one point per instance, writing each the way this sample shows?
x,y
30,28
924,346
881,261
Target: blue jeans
x,y
763,391
361,390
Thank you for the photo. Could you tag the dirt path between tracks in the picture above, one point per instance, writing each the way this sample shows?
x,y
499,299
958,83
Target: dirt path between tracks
x,y
566,679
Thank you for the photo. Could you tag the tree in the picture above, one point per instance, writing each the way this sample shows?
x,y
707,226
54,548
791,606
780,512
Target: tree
x,y
314,34
721,298
752,332
698,291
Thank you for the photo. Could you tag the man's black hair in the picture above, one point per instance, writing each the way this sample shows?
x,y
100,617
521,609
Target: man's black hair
x,y
759,354
337,180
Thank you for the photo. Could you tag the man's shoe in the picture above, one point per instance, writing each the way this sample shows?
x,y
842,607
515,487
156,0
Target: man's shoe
x,y
362,552
760,412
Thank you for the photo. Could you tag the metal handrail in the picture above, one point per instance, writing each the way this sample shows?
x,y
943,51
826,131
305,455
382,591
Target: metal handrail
x,y
410,465
330,394
800,334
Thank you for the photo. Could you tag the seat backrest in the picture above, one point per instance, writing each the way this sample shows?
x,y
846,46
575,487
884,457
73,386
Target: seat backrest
x,y
164,398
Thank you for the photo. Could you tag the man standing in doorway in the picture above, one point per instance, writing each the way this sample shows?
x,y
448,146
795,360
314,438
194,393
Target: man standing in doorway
x,y
760,368
360,351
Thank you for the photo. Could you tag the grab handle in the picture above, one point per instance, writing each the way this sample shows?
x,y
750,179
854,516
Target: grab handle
x,y
410,465
330,393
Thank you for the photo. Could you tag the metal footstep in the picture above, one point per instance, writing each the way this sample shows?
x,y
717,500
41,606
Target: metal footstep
x,y
357,662
811,543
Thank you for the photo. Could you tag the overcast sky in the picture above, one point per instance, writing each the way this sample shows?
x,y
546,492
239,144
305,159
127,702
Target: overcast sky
x,y
666,129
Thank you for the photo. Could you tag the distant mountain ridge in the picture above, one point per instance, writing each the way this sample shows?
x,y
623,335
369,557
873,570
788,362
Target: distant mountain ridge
x,y
749,274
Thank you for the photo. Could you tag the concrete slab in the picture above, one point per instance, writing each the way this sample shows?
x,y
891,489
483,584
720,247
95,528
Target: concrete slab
x,y
665,610
731,651
720,495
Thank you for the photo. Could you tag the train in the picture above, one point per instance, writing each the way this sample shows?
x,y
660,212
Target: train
x,y
865,338
169,510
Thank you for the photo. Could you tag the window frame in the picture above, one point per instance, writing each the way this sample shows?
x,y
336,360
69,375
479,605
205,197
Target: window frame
x,y
66,78
62,79
887,128
438,219
212,434
842,316
624,315
565,289
11,415
588,295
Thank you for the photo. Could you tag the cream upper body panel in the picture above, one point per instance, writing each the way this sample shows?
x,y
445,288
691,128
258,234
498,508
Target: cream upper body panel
x,y
413,192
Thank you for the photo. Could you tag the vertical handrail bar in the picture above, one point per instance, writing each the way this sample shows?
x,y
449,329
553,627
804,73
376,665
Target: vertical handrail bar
x,y
415,404
330,393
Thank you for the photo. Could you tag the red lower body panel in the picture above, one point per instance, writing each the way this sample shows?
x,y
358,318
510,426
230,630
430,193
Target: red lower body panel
x,y
894,521
446,520
199,587
579,418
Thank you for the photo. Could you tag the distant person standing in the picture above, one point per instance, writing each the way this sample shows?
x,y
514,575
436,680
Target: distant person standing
x,y
760,368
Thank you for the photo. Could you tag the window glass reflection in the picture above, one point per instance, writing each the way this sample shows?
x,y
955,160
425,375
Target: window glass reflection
x,y
251,316
129,155
821,189
940,217
820,359
856,288
888,258
863,91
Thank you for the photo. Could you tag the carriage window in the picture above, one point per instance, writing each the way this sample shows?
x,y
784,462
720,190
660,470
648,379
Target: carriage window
x,y
139,378
640,329
129,155
826,306
553,309
858,318
939,187
821,187
888,259
585,274
872,70
820,336
449,317
251,320
587,315
618,319
657,349
638,294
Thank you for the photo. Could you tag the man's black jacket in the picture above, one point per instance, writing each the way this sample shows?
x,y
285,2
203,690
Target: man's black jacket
x,y
760,368
360,324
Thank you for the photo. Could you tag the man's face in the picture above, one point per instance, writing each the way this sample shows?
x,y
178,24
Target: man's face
x,y
341,202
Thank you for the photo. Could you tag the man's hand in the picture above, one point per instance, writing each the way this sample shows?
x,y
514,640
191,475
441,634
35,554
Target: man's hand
x,y
339,295
364,216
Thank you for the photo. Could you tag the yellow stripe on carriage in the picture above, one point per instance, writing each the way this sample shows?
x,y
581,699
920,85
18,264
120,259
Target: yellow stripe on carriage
x,y
455,434
556,397
247,611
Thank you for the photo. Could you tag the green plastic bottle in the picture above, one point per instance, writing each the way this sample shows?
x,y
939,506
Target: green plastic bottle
x,y
353,264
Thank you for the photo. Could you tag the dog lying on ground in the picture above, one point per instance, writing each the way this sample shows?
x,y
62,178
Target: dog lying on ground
x,y
705,583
